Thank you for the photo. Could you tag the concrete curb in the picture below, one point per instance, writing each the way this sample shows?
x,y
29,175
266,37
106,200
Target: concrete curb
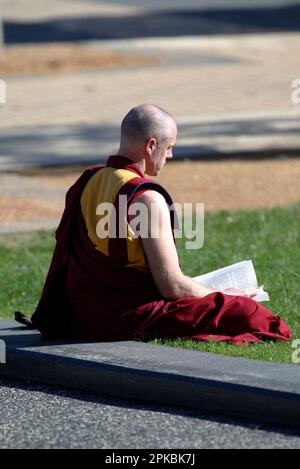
x,y
260,391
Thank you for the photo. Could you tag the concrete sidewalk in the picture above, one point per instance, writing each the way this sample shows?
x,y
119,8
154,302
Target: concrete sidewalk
x,y
250,389
199,78
241,136
229,95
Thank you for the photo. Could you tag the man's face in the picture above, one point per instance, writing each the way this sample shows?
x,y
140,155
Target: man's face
x,y
161,150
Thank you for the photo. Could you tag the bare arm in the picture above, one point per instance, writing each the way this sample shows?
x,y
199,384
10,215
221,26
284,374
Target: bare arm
x,y
163,258
162,255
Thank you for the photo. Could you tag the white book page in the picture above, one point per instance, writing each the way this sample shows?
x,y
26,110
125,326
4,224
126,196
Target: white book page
x,y
240,275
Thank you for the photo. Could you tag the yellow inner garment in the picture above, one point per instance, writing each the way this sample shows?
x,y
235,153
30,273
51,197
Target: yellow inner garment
x,y
103,187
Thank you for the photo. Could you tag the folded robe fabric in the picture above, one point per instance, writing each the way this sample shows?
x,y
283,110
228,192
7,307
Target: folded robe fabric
x,y
89,295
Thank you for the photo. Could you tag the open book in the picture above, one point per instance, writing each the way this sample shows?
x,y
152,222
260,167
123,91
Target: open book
x,y
239,275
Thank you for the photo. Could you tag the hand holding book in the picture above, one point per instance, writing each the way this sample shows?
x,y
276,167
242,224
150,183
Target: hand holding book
x,y
235,279
248,292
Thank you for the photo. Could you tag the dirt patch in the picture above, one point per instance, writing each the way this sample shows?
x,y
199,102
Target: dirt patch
x,y
230,185
220,185
62,58
234,184
18,209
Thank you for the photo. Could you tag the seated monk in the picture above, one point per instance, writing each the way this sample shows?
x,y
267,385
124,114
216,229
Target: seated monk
x,y
123,287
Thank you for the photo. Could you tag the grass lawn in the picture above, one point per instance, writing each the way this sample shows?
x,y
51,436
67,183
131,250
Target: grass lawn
x,y
269,237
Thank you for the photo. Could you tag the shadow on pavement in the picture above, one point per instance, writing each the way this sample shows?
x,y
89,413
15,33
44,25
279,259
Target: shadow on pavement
x,y
155,24
48,146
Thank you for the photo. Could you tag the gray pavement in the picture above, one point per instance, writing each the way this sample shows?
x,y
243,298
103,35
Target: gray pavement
x,y
195,78
52,8
253,137
226,93
54,417
144,19
216,384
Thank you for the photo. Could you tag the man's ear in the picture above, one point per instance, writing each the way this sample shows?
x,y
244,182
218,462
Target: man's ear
x,y
151,145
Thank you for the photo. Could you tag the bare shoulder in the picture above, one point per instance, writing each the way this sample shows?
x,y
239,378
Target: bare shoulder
x,y
151,197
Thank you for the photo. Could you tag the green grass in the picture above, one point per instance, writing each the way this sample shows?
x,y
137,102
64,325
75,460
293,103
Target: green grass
x,y
269,237
24,263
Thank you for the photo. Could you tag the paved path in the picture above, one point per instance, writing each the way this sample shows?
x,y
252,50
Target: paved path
x,y
138,19
228,95
255,136
43,9
198,78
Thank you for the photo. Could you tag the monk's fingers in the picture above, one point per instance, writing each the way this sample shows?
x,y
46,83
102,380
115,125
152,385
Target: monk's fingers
x,y
252,292
235,292
247,292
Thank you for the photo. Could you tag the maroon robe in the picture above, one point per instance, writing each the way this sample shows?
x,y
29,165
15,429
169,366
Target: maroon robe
x,y
88,295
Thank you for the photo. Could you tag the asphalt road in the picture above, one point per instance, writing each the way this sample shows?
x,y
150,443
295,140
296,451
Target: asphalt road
x,y
36,416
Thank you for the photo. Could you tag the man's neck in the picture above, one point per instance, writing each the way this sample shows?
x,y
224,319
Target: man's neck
x,y
134,157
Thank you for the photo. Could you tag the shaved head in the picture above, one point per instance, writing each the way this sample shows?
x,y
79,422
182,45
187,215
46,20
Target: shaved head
x,y
148,135
145,121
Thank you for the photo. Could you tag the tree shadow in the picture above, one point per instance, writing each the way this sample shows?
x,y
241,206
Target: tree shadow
x,y
48,146
157,24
